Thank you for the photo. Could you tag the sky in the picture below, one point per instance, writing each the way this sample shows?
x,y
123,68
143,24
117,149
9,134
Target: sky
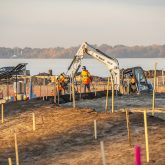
x,y
66,23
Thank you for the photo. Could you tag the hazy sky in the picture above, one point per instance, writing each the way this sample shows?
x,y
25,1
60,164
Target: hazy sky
x,y
65,23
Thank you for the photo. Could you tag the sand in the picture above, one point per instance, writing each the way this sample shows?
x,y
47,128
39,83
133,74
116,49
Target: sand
x,y
65,136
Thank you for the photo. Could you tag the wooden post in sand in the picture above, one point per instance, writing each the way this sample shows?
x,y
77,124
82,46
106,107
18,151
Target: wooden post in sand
x,y
112,82
157,84
58,93
34,121
162,77
16,149
128,127
95,129
43,91
2,113
102,152
146,135
106,103
70,88
55,93
153,95
47,91
73,92
9,161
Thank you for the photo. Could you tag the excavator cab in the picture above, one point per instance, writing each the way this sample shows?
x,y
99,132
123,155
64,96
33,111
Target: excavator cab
x,y
134,80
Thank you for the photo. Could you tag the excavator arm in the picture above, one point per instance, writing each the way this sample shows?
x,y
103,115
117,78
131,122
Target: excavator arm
x,y
111,63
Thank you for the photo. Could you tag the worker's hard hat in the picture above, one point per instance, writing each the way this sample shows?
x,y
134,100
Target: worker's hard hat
x,y
84,67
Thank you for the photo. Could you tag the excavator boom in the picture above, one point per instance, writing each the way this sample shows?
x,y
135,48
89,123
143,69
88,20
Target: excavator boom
x,y
111,63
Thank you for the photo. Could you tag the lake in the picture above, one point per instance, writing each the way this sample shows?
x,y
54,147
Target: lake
x,y
95,67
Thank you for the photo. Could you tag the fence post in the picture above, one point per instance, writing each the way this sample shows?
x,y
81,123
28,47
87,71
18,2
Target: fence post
x,y
30,89
106,104
55,89
34,121
73,92
16,149
103,152
9,161
146,135
47,90
128,127
58,93
70,88
162,77
112,94
153,95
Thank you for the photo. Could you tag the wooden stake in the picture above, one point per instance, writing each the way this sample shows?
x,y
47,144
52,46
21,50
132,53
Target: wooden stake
x,y
128,127
16,149
70,88
34,121
73,92
153,95
106,103
9,161
58,93
157,79
146,135
2,113
44,89
95,129
102,152
162,77
55,92
112,94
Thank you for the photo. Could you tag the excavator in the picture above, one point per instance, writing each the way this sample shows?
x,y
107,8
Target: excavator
x,y
118,78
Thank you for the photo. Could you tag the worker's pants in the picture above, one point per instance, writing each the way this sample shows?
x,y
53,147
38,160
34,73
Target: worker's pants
x,y
86,86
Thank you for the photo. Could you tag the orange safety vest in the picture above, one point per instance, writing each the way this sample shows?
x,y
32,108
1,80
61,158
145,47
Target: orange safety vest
x,y
59,82
85,75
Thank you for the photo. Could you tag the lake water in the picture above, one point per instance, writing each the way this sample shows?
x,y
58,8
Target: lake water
x,y
95,67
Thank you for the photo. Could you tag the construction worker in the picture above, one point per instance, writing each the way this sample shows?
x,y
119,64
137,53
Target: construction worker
x,y
62,82
86,79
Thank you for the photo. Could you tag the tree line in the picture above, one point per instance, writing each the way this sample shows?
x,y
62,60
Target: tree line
x,y
118,51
